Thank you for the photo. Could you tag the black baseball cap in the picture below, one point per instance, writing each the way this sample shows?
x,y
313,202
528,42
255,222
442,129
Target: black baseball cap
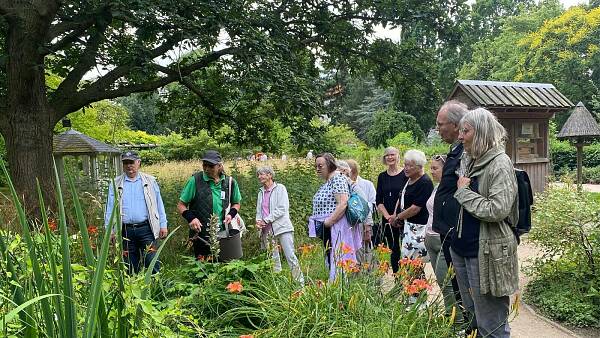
x,y
212,156
130,156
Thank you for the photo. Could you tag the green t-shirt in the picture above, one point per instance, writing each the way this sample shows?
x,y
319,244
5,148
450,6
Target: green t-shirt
x,y
189,191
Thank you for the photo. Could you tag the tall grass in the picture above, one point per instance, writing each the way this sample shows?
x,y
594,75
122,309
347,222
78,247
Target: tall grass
x,y
49,293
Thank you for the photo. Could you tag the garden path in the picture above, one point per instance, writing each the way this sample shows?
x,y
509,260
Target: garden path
x,y
526,323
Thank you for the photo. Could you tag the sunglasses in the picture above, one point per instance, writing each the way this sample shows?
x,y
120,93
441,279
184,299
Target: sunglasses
x,y
440,158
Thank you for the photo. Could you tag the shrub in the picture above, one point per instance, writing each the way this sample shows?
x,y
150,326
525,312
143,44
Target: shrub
x,y
152,156
566,277
564,155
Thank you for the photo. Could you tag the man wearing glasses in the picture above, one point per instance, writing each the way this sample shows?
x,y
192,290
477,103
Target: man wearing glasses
x,y
445,206
143,217
206,193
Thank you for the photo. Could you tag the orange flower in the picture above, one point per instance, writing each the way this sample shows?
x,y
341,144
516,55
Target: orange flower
x,y
52,224
306,249
348,265
92,230
346,249
246,336
411,289
384,267
416,263
151,248
366,266
383,249
296,294
320,283
417,286
421,284
235,287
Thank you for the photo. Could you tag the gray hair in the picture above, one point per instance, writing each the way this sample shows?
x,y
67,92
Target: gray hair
x,y
354,167
416,156
265,170
488,132
341,164
455,110
387,151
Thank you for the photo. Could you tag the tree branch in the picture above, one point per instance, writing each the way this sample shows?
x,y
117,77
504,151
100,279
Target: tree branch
x,y
194,89
104,82
76,30
86,62
94,93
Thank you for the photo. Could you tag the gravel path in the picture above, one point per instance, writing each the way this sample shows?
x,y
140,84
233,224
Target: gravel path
x,y
525,323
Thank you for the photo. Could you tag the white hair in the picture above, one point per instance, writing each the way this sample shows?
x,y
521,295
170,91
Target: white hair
x,y
455,111
341,164
416,156
266,170
488,132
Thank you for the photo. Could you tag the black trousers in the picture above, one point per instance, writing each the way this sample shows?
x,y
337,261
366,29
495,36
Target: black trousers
x,y
393,240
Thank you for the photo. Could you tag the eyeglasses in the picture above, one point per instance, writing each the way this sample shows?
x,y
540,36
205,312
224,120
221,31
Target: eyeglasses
x,y
439,158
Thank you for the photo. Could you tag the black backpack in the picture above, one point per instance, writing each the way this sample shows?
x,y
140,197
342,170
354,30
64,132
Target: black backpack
x,y
525,195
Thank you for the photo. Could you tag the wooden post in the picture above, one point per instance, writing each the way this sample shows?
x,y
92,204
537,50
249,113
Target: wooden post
x,y
579,146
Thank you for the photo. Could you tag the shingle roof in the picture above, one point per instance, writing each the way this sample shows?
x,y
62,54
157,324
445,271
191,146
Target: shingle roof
x,y
74,142
512,94
581,124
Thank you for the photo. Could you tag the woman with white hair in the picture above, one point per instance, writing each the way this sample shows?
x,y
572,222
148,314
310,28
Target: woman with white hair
x,y
484,248
273,220
411,208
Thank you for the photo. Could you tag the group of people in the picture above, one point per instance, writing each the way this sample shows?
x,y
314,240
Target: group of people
x,y
463,222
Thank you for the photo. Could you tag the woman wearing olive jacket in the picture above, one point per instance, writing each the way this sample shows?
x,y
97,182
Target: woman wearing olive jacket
x,y
484,248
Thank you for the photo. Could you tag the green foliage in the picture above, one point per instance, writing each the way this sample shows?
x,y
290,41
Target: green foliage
x,y
340,140
564,156
565,51
144,112
273,305
565,277
388,123
361,99
107,122
497,56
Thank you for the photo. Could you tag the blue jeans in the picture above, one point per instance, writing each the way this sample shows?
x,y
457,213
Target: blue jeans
x,y
490,314
139,243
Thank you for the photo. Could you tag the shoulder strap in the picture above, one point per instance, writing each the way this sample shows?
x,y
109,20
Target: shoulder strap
x,y
229,196
402,196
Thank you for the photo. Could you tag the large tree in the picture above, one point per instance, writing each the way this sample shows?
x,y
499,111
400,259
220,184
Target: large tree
x,y
132,46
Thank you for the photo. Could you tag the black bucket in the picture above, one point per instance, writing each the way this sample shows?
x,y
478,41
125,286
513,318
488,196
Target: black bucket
x,y
230,246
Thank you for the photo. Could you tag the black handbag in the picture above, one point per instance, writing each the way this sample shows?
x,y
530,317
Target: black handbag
x,y
378,229
319,229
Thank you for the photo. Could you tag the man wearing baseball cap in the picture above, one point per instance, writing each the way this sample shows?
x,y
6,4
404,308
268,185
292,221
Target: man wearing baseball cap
x,y
143,219
208,192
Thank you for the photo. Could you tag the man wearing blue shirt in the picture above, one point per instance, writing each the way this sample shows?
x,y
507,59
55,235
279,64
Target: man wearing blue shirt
x,y
143,217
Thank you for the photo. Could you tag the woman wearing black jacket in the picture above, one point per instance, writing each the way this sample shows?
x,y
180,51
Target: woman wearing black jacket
x,y
389,186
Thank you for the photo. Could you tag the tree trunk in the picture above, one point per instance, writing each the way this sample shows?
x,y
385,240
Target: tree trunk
x,y
29,120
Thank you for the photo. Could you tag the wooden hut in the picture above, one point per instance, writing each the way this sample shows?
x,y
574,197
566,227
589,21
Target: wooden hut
x,y
91,162
580,129
524,109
